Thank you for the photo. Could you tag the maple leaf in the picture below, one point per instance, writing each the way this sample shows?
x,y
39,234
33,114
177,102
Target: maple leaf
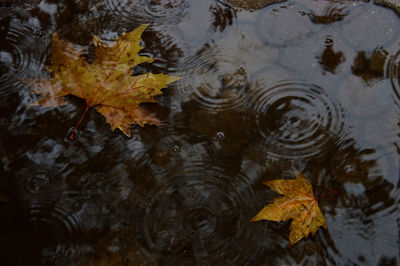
x,y
107,84
298,203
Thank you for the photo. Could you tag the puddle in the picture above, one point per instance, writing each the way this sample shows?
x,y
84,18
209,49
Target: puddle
x,y
268,87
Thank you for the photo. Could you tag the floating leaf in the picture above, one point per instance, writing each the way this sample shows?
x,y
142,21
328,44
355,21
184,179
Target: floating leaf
x,y
107,84
298,203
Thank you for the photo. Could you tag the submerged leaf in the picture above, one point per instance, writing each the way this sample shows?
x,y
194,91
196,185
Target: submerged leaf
x,y
298,203
107,84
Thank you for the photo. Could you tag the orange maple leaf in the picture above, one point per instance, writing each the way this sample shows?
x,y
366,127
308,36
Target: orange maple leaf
x,y
107,84
298,203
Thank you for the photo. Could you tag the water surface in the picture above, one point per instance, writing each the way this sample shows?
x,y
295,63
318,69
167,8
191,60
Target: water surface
x,y
268,87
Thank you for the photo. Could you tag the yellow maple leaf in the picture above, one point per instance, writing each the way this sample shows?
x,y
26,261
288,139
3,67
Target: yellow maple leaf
x,y
107,84
298,203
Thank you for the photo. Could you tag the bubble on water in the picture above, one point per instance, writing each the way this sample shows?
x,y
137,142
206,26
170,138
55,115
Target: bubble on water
x,y
176,148
328,40
302,12
220,135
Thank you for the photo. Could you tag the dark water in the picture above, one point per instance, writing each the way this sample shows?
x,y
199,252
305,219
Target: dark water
x,y
267,88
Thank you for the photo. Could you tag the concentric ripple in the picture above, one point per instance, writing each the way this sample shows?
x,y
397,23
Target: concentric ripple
x,y
283,25
297,119
204,214
170,10
23,53
41,196
393,72
46,198
361,30
215,89
126,14
69,215
43,193
177,148
123,13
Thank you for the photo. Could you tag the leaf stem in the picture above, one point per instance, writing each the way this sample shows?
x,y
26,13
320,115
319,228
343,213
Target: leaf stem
x,y
72,135
335,191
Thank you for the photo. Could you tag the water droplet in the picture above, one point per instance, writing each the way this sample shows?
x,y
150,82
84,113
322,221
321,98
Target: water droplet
x,y
349,168
121,30
302,12
84,180
220,135
328,40
176,148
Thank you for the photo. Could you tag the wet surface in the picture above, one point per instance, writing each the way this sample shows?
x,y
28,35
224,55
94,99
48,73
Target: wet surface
x,y
268,87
